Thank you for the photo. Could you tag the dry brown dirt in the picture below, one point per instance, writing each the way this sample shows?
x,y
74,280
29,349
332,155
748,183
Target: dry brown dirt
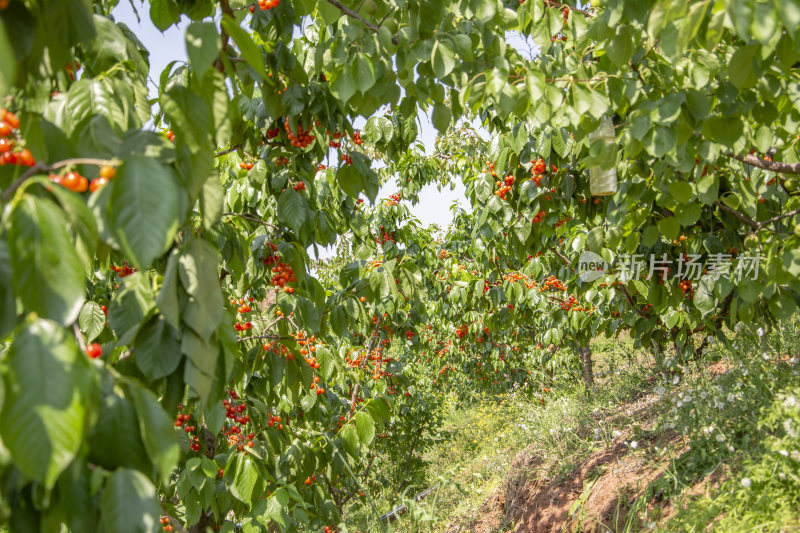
x,y
594,497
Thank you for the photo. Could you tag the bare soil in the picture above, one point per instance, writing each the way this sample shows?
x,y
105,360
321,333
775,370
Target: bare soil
x,y
596,496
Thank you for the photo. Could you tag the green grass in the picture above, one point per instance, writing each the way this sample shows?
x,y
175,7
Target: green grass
x,y
741,428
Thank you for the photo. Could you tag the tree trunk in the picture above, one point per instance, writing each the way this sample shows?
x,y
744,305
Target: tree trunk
x,y
586,363
658,352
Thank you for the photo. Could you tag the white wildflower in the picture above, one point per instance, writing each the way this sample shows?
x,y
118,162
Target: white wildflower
x,y
676,380
790,401
765,356
746,480
760,333
784,453
616,433
634,444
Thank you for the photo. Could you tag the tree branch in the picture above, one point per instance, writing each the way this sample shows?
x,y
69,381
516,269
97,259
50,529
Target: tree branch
x,y
774,166
225,6
352,14
631,302
39,168
560,256
251,218
227,151
779,217
742,217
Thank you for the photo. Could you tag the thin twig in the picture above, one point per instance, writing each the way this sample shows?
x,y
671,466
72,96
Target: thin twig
x,y
352,14
227,151
79,337
39,168
779,217
251,218
268,326
267,337
560,256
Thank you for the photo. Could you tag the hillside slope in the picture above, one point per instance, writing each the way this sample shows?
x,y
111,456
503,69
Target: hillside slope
x,y
711,445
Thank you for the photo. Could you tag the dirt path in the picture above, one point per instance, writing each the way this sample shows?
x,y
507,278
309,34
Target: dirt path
x,y
596,496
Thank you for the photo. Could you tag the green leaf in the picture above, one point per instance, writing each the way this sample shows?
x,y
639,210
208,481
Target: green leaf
x,y
157,349
202,45
202,362
129,503
249,49
704,299
212,198
157,429
90,97
443,59
681,191
669,227
143,209
562,144
441,117
244,479
167,299
91,320
48,274
364,73
49,386
620,48
292,209
350,436
129,306
740,68
308,401
115,439
650,236
350,181
782,305
198,268
365,428
708,188
688,214
594,239
190,116
7,63
723,130
661,140
344,86
160,14
8,311
82,225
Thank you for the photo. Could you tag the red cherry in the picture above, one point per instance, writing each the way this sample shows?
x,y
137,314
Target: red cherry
x,y
94,350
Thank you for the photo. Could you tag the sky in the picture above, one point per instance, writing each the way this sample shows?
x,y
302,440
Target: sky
x,y
434,205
